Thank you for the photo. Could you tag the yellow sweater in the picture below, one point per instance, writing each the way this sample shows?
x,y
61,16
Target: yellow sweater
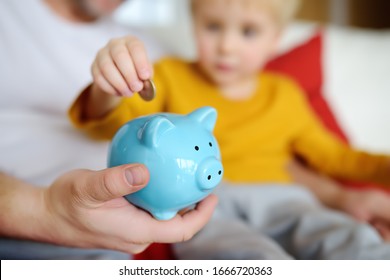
x,y
257,137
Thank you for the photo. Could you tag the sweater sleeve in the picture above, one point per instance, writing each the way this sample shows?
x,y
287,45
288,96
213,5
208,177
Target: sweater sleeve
x,y
325,152
129,108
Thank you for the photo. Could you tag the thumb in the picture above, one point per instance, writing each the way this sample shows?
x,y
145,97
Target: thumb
x,y
115,182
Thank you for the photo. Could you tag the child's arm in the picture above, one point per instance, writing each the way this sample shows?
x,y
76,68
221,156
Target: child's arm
x,y
326,153
329,155
99,103
118,71
86,209
325,189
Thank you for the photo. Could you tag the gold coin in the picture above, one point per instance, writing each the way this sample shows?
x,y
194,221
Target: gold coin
x,y
148,93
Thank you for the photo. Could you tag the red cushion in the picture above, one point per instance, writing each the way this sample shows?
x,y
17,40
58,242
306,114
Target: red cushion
x,y
304,65
156,251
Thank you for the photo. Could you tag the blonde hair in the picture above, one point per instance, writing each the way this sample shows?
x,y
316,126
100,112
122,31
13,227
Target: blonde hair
x,y
283,11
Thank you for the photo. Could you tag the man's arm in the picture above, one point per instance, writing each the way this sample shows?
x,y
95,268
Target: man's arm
x,y
86,209
22,212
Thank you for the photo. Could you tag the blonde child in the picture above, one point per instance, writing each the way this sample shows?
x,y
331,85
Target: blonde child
x,y
263,121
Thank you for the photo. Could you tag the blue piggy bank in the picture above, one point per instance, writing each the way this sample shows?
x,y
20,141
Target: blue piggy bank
x,y
181,154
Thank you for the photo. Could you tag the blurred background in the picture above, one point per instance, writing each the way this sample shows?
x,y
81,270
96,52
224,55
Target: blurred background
x,y
164,16
355,55
358,13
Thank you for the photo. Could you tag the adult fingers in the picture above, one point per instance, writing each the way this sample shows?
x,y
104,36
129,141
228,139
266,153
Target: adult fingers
x,y
182,228
196,219
111,183
134,248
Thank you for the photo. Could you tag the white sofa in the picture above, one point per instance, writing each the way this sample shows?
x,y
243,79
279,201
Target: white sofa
x,y
356,65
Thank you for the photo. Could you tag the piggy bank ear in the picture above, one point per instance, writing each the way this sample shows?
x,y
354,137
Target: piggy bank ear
x,y
151,133
207,116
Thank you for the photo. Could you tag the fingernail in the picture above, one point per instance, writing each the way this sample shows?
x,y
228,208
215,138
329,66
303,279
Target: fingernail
x,y
135,175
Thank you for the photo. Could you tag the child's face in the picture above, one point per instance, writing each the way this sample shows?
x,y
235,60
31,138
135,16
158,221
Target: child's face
x,y
234,38
99,7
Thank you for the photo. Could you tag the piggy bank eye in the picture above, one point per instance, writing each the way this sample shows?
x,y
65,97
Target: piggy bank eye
x,y
197,148
210,144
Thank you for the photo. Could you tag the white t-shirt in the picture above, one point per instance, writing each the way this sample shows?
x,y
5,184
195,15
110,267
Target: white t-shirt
x,y
44,63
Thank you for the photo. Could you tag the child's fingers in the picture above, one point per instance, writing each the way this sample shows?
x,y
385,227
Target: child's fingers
x,y
112,75
141,62
384,212
124,63
380,202
101,81
383,228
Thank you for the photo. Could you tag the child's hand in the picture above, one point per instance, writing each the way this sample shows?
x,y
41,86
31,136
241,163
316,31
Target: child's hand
x,y
372,206
383,227
121,67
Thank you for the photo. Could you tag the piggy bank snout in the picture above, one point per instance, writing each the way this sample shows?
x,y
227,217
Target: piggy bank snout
x,y
209,173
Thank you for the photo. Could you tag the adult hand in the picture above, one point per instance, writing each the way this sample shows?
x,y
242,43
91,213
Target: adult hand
x,y
87,209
